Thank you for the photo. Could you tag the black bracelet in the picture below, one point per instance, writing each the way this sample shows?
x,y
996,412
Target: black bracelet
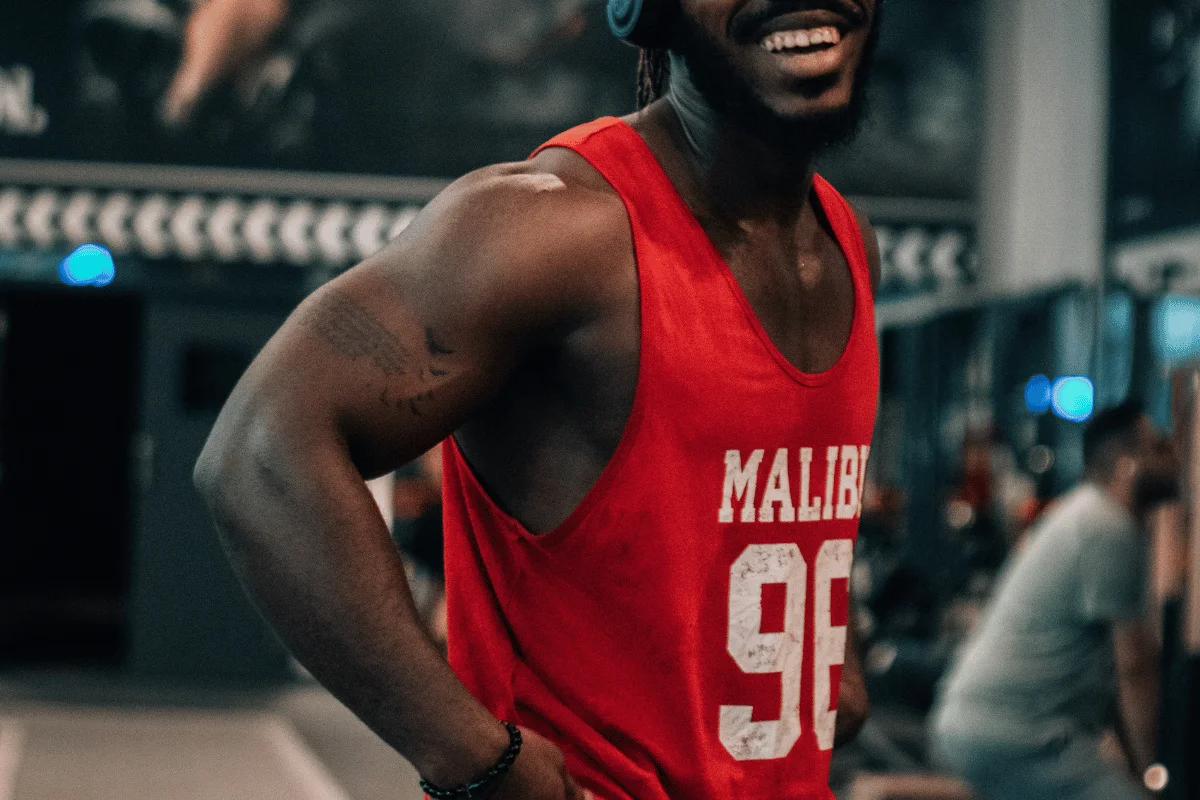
x,y
492,776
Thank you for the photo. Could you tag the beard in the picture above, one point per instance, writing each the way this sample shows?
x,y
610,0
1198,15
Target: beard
x,y
1153,489
724,89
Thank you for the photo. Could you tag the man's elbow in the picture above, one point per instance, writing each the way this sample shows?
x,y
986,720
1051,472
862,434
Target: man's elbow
x,y
236,442
205,473
213,467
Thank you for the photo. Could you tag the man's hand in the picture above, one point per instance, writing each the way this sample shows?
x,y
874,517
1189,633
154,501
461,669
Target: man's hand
x,y
539,773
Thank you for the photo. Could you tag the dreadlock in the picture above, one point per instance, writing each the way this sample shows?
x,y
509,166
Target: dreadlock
x,y
654,68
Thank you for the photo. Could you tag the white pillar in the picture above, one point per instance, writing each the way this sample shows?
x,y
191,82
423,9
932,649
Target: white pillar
x,y
1043,185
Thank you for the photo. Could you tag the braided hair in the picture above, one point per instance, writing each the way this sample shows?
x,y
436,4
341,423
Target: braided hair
x,y
654,68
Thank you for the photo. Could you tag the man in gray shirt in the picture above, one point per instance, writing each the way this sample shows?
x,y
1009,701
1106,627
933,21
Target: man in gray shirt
x,y
1021,714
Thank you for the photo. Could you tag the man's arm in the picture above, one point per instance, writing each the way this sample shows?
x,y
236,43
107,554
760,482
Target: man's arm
x,y
373,369
221,38
1136,650
853,704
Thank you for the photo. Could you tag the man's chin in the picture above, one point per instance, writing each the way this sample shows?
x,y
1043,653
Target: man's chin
x,y
805,132
801,125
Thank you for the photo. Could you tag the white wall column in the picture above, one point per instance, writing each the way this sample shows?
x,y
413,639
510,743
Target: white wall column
x,y
1043,185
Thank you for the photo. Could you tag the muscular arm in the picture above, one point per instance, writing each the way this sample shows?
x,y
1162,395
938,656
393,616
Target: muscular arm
x,y
372,370
1136,651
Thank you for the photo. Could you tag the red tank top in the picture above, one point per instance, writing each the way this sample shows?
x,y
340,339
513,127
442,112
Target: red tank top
x,y
680,635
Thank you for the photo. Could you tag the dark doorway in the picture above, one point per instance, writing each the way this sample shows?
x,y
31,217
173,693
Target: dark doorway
x,y
68,410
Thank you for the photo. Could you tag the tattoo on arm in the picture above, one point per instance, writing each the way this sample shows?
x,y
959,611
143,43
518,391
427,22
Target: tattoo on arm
x,y
356,333
427,374
434,347
411,403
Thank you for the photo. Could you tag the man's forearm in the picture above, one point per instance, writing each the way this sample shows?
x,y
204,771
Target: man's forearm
x,y
853,704
1138,698
311,548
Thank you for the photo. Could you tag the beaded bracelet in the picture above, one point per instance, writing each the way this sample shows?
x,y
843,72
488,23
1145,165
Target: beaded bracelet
x,y
498,771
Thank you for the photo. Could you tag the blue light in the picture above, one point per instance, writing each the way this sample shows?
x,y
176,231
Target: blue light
x,y
1037,394
1175,328
88,265
1074,398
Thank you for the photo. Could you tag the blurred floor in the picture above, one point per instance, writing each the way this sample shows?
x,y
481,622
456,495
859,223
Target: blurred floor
x,y
83,740
71,736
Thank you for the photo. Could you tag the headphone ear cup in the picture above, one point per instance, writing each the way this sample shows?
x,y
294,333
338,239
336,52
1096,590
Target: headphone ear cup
x,y
642,23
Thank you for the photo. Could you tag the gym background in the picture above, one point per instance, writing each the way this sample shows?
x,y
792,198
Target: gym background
x,y
1033,170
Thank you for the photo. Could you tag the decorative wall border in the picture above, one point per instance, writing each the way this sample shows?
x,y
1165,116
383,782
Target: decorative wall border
x,y
330,221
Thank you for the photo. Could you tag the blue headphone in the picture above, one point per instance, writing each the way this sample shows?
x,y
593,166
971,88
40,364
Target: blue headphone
x,y
643,23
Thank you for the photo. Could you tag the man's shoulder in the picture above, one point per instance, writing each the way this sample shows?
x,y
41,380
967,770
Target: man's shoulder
x,y
552,204
1084,525
1101,517
540,238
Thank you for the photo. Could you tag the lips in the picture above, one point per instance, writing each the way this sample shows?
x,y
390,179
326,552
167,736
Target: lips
x,y
756,25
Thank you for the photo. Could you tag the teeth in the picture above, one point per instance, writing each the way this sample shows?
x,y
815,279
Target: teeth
x,y
784,40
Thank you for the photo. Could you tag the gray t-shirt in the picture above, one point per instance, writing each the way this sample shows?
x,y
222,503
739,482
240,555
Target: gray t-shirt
x,y
1043,650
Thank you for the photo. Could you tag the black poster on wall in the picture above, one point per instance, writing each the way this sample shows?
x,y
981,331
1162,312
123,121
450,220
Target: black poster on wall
x,y
400,87
420,88
1155,143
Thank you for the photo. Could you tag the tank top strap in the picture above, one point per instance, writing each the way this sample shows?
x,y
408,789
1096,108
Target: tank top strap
x,y
845,226
657,213
678,264
849,235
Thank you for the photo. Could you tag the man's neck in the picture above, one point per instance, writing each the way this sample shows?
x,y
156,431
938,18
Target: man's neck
x,y
1119,491
737,175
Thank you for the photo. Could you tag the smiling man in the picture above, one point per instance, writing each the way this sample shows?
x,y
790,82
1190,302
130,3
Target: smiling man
x,y
651,351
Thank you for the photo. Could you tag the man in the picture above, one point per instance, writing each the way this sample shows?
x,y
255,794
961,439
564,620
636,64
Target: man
x,y
652,348
1066,635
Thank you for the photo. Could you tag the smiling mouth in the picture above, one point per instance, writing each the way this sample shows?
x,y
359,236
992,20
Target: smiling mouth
x,y
799,41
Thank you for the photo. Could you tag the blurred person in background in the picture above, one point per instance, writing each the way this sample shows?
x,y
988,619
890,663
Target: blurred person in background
x,y
643,601
1068,639
306,77
222,38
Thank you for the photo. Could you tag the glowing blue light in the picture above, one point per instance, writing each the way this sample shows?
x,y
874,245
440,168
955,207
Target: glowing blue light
x,y
88,265
1074,398
1175,328
1037,394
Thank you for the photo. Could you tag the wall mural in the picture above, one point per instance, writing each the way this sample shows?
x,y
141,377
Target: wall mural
x,y
410,87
